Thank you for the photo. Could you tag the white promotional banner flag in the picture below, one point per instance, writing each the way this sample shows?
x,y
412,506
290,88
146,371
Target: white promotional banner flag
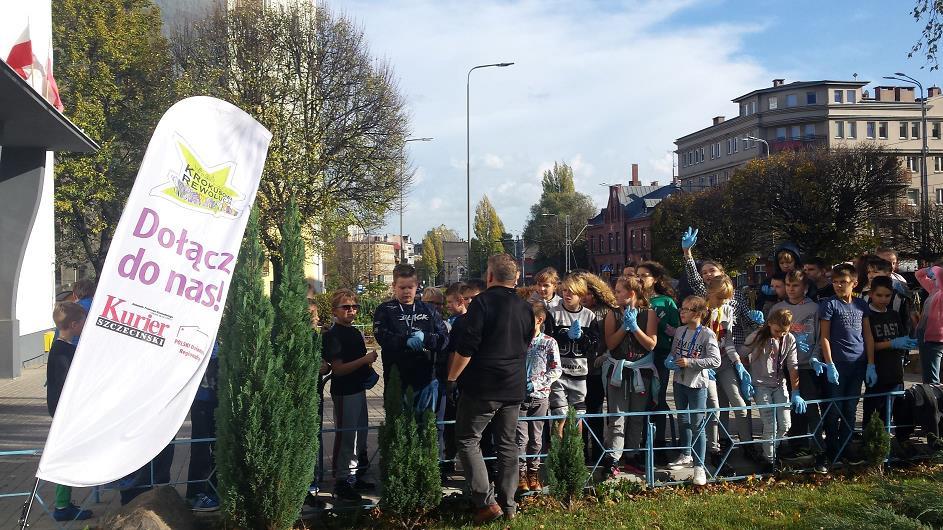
x,y
153,322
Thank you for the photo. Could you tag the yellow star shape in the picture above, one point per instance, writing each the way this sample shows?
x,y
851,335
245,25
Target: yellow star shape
x,y
204,188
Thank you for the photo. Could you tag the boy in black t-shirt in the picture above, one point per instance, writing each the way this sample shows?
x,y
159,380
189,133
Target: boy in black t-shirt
x,y
891,343
345,350
70,319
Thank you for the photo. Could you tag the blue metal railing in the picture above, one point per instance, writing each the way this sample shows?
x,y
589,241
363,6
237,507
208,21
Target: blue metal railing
x,y
828,408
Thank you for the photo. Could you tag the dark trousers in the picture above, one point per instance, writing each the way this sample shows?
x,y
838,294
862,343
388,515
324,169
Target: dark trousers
x,y
811,386
840,427
661,420
472,417
446,412
595,397
156,472
202,459
879,404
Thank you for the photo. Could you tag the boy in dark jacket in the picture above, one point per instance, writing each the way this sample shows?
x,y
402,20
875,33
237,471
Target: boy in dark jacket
x,y
69,318
411,335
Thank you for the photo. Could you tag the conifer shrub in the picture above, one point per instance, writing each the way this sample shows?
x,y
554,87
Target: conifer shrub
x,y
876,444
566,469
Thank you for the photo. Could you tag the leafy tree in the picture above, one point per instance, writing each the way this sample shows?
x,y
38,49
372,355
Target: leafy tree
x,y
267,420
337,118
546,224
430,259
432,243
113,68
930,14
566,467
488,233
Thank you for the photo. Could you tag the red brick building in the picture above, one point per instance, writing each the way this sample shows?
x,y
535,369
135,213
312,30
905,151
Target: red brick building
x,y
621,232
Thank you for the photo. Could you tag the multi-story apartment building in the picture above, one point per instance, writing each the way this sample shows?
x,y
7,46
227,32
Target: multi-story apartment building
x,y
827,113
621,232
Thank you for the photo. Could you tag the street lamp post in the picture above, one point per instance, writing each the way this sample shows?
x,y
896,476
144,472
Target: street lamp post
x,y
402,242
762,141
468,144
924,187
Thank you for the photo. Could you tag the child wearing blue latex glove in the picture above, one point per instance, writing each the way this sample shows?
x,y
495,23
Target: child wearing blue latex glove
x,y
847,347
694,351
577,333
812,381
772,357
414,342
885,372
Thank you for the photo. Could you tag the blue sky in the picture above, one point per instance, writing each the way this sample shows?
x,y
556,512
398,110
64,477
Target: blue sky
x,y
600,85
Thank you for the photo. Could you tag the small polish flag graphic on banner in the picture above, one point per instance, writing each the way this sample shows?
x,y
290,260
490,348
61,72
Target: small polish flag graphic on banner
x,y
21,55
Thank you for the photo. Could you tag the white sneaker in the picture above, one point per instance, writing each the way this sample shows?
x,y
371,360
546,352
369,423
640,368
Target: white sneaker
x,y
700,476
681,462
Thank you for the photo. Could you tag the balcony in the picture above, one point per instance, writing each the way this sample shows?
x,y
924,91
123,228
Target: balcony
x,y
797,142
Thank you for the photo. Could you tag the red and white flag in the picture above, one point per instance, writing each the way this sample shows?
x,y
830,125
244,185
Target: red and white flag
x,y
21,56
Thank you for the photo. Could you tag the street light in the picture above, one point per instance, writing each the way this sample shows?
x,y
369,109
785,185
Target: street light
x,y
924,191
762,141
402,244
567,242
468,143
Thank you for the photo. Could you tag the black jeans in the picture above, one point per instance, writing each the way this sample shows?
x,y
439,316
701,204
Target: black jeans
x,y
811,387
202,458
472,417
595,398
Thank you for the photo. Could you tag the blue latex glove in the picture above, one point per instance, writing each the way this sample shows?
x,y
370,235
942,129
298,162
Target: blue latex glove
x,y
575,331
743,373
756,316
767,290
630,320
831,373
746,389
871,376
903,343
670,363
414,342
930,274
817,365
798,404
712,374
802,342
689,238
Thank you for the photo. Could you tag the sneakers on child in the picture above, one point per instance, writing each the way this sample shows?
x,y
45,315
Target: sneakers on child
x,y
71,513
700,476
204,503
344,490
682,461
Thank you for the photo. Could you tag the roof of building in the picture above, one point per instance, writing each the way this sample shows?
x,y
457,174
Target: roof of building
x,y
799,84
637,201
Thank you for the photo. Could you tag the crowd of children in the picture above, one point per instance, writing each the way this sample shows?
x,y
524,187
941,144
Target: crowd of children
x,y
812,332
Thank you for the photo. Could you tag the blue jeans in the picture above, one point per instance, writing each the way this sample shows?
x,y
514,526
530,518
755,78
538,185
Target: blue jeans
x,y
838,429
930,354
687,398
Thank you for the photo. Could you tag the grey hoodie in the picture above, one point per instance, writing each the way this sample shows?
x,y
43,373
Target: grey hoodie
x,y
770,362
700,348
805,325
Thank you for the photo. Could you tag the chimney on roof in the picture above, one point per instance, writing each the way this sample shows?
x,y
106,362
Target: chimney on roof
x,y
933,92
778,82
718,120
634,181
904,94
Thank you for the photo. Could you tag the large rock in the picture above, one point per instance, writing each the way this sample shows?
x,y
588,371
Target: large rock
x,y
158,509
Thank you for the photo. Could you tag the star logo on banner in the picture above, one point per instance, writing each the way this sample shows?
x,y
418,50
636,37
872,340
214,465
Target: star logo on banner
x,y
202,188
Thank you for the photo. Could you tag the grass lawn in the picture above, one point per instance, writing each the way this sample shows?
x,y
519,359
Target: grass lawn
x,y
900,500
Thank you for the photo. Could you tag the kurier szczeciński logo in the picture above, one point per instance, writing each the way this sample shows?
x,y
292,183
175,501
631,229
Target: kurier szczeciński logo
x,y
201,188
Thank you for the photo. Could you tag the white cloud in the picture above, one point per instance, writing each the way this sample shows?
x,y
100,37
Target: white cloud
x,y
598,85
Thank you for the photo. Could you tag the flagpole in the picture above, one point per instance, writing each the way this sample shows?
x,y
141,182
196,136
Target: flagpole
x,y
27,506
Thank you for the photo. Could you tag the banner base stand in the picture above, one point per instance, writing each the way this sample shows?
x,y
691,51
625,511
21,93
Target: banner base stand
x,y
27,506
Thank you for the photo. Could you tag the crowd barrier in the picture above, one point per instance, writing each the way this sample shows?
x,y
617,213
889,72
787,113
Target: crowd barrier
x,y
649,449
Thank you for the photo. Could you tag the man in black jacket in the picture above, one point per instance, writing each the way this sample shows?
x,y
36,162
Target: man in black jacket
x,y
490,370
411,334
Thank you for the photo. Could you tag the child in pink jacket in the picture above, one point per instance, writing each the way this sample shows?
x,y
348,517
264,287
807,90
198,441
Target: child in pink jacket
x,y
930,328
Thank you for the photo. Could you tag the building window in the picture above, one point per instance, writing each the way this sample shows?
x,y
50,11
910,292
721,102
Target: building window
x,y
702,154
938,163
852,129
618,240
882,130
644,240
791,100
753,107
712,151
810,98
729,147
780,133
810,130
632,243
852,96
773,103
700,182
915,129
839,126
903,130
794,130
712,180
610,242
839,96
939,195
718,149
871,125
736,142
936,130
600,244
